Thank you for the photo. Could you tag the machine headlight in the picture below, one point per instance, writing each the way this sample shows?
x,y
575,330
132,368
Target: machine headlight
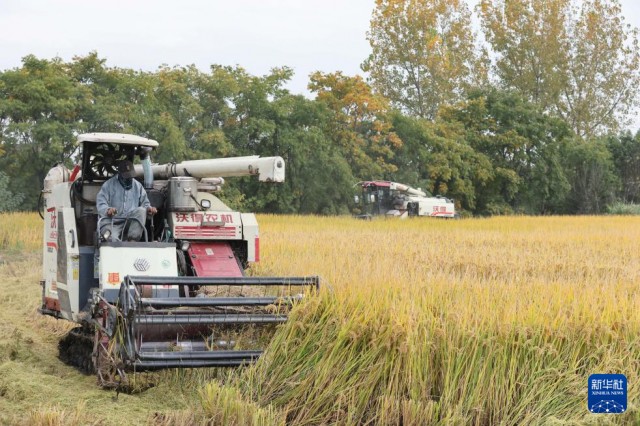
x,y
206,204
185,246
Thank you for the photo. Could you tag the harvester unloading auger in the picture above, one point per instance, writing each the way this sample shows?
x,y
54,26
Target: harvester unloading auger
x,y
180,297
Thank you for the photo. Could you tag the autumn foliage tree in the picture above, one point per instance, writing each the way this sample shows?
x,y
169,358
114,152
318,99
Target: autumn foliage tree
x,y
576,59
604,70
422,53
360,125
529,38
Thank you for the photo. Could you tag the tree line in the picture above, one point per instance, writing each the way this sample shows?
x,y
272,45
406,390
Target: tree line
x,y
527,121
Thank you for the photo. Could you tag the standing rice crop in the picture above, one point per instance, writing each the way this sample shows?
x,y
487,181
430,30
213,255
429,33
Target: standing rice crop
x,y
481,321
20,231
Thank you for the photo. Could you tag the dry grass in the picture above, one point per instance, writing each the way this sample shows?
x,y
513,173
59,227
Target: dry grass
x,y
56,416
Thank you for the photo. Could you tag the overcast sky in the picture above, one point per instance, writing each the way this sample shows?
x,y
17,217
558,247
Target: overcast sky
x,y
306,35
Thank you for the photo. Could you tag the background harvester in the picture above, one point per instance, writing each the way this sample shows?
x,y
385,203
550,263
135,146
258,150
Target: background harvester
x,y
180,297
385,198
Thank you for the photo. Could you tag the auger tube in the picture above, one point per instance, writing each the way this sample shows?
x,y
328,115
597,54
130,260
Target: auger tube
x,y
268,169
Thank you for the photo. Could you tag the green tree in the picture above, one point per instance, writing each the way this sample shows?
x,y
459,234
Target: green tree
x,y
10,199
524,148
436,156
422,53
591,172
40,113
250,124
102,90
319,179
625,151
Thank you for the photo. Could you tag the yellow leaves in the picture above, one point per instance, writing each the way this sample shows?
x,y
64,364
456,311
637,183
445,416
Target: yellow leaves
x,y
575,57
361,120
434,41
352,97
422,52
394,140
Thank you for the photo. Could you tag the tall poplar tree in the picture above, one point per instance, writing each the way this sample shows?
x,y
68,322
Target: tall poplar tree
x,y
422,53
577,59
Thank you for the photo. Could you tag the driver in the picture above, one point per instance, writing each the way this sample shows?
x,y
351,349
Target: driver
x,y
124,199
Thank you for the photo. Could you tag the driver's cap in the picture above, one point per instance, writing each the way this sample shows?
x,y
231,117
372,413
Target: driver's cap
x,y
126,170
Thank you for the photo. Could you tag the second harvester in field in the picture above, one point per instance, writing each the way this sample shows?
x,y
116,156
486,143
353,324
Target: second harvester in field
x,y
179,296
384,198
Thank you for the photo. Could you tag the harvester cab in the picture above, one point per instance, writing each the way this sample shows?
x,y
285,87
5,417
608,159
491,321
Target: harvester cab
x,y
179,297
385,198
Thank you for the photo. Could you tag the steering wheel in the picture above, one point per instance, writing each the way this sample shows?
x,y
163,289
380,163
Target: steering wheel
x,y
105,158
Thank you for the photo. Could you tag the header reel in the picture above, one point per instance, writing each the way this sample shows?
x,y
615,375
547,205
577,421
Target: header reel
x,y
190,322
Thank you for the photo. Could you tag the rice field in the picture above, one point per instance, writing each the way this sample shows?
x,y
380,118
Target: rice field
x,y
20,231
476,321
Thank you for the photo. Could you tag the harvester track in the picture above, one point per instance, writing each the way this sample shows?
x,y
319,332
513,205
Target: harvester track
x,y
76,347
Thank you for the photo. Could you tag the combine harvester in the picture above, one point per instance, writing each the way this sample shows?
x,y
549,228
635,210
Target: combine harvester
x,y
180,297
384,198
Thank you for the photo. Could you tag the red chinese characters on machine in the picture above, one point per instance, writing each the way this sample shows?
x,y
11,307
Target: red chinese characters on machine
x,y
203,217
206,225
440,211
53,230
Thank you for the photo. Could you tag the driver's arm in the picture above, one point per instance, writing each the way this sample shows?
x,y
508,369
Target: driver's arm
x,y
102,200
143,199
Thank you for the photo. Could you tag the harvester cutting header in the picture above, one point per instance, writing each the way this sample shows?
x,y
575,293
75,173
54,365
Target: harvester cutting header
x,y
175,296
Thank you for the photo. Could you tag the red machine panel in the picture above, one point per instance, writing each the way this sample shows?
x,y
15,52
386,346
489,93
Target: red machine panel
x,y
214,259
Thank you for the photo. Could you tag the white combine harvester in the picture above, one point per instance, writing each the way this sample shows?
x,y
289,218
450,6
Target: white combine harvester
x,y
384,198
179,298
